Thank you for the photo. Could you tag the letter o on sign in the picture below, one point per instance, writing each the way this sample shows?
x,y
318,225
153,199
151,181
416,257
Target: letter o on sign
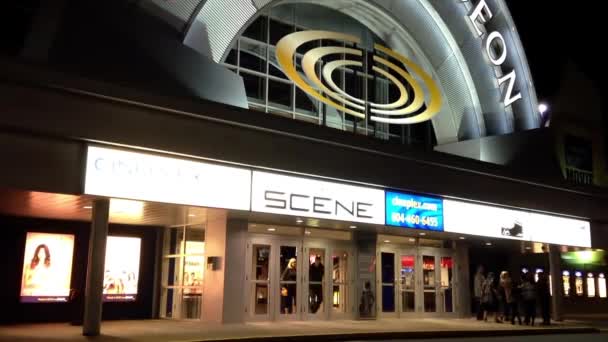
x,y
503,47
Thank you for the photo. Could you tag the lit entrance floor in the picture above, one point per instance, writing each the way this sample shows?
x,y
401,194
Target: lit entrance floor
x,y
166,330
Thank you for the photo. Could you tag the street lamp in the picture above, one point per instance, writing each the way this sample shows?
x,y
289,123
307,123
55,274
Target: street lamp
x,y
543,108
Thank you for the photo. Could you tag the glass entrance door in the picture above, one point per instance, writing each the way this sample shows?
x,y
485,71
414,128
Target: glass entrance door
x,y
182,274
315,288
407,282
288,303
446,267
387,284
429,283
341,280
415,281
259,255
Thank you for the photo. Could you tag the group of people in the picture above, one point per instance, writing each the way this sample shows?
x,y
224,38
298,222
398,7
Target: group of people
x,y
506,298
316,273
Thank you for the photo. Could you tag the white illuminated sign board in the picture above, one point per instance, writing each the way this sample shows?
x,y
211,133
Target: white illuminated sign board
x,y
483,220
297,196
139,176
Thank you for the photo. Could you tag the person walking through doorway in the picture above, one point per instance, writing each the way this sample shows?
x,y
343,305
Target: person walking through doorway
x,y
288,291
316,273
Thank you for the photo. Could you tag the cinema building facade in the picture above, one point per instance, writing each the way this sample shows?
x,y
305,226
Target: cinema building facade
x,y
254,160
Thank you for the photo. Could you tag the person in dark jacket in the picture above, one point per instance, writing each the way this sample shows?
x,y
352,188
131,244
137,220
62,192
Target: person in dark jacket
x,y
528,294
544,297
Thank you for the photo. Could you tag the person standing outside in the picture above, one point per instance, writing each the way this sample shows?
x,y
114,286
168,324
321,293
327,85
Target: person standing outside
x,y
477,287
544,297
528,293
506,285
488,298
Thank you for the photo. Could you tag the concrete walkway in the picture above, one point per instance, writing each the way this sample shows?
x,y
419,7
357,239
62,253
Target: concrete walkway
x,y
166,330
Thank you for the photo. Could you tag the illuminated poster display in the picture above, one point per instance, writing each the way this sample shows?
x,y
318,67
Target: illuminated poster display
x,y
193,266
47,268
590,285
566,283
413,211
601,285
121,268
578,283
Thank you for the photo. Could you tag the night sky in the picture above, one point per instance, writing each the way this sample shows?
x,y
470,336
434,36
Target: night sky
x,y
555,32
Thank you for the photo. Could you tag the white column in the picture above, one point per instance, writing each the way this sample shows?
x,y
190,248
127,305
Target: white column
x,y
461,293
95,268
213,285
555,270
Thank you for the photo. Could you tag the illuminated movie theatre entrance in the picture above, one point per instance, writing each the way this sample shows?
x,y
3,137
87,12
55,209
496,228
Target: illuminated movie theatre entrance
x,y
414,279
298,273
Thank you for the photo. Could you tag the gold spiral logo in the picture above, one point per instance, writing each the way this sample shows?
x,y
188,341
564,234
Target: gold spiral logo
x,y
408,103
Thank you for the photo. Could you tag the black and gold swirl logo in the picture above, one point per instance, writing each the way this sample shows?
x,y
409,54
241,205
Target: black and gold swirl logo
x,y
411,107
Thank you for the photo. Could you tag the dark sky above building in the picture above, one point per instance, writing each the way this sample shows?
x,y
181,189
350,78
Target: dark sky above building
x,y
556,32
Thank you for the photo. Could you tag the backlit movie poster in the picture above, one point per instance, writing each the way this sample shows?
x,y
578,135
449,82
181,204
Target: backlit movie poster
x,y
47,268
121,269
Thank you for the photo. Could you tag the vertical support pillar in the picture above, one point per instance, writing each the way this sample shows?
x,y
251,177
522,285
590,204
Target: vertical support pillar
x,y
215,247
95,268
366,272
555,270
461,287
234,275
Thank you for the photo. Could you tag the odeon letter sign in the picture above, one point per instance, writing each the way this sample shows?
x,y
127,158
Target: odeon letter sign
x,y
480,15
405,110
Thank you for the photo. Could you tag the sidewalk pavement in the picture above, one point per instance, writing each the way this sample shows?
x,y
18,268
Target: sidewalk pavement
x,y
190,331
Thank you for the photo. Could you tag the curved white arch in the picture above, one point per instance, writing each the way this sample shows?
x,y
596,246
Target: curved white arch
x,y
436,31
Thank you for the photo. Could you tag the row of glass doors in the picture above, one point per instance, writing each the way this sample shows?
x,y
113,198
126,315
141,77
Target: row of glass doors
x,y
298,279
415,281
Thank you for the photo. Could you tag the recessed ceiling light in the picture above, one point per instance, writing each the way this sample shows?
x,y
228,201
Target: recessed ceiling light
x,y
412,240
462,238
488,244
307,232
353,227
528,248
87,207
191,215
387,241
299,221
422,234
271,229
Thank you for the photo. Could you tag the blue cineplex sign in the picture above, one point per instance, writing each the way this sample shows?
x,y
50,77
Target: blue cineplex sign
x,y
413,211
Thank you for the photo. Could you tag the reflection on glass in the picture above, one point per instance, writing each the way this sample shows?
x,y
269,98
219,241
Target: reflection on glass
x,y
316,274
578,283
590,285
260,306
340,280
566,283
388,281
289,276
408,285
446,282
169,302
428,281
191,305
601,284
261,260
259,286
